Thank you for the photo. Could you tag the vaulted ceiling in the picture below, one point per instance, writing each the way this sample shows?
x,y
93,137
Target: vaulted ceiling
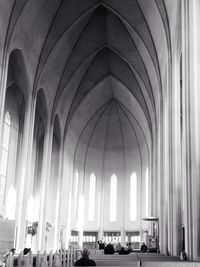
x,y
85,54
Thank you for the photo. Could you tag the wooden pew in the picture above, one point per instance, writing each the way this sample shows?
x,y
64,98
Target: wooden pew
x,y
66,259
146,260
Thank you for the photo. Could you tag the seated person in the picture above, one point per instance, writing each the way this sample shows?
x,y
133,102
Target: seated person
x,y
123,251
118,247
184,256
109,249
143,248
84,260
129,247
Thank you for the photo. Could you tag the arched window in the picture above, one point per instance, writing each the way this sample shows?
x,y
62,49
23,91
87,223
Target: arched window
x,y
113,198
147,192
76,179
4,154
92,192
133,197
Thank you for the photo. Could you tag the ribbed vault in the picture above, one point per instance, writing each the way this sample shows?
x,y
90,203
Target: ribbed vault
x,y
81,43
112,142
102,69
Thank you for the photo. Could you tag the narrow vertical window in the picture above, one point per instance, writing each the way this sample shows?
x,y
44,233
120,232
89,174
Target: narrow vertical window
x,y
11,203
76,192
133,197
113,198
4,154
147,191
92,188
80,220
30,208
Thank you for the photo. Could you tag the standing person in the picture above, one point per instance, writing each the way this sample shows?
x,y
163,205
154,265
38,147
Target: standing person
x,y
101,244
84,260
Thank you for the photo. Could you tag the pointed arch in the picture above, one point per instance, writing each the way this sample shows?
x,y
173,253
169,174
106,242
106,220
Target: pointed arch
x,y
17,72
16,96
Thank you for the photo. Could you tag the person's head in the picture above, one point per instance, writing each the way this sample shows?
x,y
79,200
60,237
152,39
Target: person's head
x,y
26,251
13,251
85,253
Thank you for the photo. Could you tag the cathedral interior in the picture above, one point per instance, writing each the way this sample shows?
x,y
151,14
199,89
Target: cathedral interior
x,y
99,124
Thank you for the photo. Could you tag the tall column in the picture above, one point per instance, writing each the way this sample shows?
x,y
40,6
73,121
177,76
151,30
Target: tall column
x,y
165,148
66,195
3,80
81,207
195,127
100,235
24,174
191,70
44,187
160,174
187,211
154,175
58,215
176,155
123,237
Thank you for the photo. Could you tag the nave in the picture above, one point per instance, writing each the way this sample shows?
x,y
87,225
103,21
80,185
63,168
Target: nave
x,y
100,125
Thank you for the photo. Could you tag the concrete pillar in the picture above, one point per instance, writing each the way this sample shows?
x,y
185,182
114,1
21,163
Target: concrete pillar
x,y
66,197
191,68
153,162
44,187
3,83
101,206
160,193
58,218
81,208
123,237
24,174
165,147
100,235
176,156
